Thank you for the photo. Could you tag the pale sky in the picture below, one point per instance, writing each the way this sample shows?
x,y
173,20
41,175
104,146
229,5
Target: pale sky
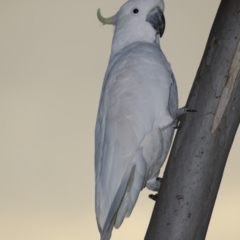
x,y
53,56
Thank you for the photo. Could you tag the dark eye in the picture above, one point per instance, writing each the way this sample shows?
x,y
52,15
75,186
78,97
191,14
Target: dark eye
x,y
135,10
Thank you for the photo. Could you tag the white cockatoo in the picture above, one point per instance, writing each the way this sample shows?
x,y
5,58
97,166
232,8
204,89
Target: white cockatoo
x,y
137,113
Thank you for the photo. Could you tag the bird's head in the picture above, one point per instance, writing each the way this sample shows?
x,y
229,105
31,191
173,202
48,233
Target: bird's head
x,y
137,20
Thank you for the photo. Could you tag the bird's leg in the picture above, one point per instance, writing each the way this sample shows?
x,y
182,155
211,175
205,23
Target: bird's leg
x,y
155,186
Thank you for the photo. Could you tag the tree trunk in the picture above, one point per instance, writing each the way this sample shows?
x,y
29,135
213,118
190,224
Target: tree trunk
x,y
202,144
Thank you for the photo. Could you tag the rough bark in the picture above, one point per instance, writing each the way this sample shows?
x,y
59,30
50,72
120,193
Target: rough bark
x,y
202,144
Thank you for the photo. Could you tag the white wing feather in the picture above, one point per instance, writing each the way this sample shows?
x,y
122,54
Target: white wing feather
x,y
132,125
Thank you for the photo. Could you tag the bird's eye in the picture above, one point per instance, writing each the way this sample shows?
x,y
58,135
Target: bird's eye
x,y
135,10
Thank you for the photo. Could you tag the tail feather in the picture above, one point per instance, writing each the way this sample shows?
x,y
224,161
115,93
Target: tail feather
x,y
138,183
126,196
123,208
111,218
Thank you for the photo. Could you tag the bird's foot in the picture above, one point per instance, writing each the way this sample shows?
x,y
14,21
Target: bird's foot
x,y
153,197
183,110
176,127
158,179
154,184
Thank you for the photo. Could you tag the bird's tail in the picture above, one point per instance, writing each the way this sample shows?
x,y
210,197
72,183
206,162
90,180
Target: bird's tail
x,y
108,226
135,183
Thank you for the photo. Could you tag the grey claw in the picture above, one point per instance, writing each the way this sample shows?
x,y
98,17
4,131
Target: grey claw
x,y
176,127
191,110
182,111
153,197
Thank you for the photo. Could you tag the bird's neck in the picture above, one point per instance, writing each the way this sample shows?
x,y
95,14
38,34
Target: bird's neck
x,y
122,39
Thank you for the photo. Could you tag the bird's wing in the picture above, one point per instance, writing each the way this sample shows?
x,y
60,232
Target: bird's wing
x,y
126,114
173,97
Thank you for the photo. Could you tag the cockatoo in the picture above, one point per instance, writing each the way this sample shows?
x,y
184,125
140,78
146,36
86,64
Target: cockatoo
x,y
137,113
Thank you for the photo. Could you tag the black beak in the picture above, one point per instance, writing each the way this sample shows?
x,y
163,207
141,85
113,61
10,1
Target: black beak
x,y
156,18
